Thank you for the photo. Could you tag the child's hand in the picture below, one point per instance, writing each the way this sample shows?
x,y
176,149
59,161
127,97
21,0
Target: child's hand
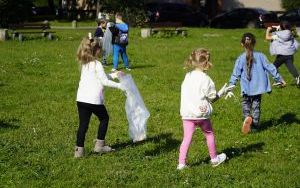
x,y
269,29
120,74
224,90
229,95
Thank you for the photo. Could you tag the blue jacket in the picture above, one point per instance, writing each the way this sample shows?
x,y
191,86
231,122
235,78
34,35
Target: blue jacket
x,y
259,82
122,27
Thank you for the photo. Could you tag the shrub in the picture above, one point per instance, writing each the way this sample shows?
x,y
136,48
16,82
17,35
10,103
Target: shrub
x,y
288,4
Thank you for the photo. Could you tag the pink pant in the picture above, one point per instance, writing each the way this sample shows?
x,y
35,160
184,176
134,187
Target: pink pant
x,y
189,127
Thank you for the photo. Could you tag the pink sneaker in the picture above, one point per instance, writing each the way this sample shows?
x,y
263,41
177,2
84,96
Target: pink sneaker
x,y
247,125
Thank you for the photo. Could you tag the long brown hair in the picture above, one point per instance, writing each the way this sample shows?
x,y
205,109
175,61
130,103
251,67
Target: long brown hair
x,y
88,50
199,58
248,41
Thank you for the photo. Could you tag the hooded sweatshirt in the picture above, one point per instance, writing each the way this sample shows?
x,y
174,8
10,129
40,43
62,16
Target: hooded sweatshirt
x,y
283,43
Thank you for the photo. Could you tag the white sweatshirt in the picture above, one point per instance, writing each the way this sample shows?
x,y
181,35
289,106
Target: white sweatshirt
x,y
197,90
92,82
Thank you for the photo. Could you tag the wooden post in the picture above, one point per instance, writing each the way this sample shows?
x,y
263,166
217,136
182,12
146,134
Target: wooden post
x,y
3,34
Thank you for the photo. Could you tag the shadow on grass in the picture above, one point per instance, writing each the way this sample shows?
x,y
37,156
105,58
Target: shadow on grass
x,y
233,152
163,143
9,124
131,66
288,118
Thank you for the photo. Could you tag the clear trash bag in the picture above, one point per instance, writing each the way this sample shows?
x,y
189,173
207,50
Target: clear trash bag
x,y
136,111
107,41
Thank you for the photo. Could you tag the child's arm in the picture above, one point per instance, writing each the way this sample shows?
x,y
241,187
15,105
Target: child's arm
x,y
272,70
268,34
236,73
104,79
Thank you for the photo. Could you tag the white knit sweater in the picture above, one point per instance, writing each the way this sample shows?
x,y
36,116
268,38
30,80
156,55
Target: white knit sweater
x,y
92,82
197,90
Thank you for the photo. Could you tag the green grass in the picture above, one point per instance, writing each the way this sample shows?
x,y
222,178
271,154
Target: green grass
x,y
38,119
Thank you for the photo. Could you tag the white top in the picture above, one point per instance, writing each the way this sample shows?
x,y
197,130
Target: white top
x,y
92,82
197,90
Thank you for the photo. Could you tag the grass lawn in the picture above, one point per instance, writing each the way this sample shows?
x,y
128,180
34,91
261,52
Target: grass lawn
x,y
38,118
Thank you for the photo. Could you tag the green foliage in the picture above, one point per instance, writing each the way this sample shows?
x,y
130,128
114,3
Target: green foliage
x,y
133,11
14,11
288,4
38,118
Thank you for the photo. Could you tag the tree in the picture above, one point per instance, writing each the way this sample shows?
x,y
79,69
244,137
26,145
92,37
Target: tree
x,y
290,4
14,11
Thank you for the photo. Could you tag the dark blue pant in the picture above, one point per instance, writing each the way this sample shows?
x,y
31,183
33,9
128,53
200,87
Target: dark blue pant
x,y
122,50
85,111
288,61
251,107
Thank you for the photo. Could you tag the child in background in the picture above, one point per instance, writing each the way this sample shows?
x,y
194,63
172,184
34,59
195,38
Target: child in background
x,y
251,68
284,46
90,98
120,41
99,33
197,92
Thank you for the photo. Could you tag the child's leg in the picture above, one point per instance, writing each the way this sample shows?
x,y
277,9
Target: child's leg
x,y
84,113
124,57
256,100
248,120
246,106
207,130
279,61
188,130
104,56
290,66
101,112
116,50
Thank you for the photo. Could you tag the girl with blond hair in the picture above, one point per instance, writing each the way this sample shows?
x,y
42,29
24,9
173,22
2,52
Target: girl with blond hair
x,y
90,97
197,93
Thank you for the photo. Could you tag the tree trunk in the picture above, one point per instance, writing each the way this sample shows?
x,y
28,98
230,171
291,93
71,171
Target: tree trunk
x,y
98,8
51,6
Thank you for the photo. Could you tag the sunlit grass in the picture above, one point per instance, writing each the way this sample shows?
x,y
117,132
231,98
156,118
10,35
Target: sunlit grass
x,y
38,118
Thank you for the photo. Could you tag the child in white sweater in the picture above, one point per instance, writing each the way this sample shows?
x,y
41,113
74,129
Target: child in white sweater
x,y
197,93
90,98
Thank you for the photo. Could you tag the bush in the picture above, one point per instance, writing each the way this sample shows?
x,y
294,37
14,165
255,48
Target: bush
x,y
14,11
288,4
132,10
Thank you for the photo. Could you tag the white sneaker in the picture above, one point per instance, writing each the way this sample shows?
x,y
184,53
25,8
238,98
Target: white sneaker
x,y
181,166
129,69
113,70
218,160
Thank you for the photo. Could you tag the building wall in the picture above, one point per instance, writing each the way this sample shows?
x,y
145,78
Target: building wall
x,y
271,5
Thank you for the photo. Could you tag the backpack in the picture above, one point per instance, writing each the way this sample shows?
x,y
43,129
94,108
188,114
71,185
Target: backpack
x,y
122,38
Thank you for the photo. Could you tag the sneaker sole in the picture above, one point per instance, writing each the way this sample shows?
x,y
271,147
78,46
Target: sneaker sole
x,y
247,125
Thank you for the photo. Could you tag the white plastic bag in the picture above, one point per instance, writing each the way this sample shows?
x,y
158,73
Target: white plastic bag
x,y
136,111
107,41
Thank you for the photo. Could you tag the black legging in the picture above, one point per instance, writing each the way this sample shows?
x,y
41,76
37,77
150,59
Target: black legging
x,y
288,61
85,111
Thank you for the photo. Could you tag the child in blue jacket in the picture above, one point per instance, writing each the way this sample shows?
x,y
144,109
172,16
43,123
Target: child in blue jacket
x,y
252,69
120,41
